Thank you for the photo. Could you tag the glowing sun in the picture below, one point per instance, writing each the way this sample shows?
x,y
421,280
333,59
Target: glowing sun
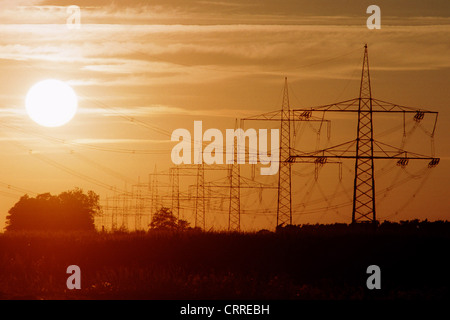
x,y
51,103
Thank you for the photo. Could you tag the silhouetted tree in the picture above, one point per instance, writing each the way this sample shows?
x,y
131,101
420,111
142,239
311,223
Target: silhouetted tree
x,y
70,210
165,220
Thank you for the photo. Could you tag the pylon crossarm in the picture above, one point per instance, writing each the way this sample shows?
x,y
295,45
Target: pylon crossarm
x,y
302,115
384,106
195,167
346,151
248,183
332,152
344,156
273,115
317,160
397,153
346,105
352,105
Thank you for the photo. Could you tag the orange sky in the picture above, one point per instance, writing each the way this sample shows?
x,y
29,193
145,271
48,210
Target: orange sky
x,y
146,68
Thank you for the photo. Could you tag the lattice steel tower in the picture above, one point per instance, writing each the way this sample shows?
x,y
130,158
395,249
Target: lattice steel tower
x,y
365,149
234,216
284,208
285,117
364,185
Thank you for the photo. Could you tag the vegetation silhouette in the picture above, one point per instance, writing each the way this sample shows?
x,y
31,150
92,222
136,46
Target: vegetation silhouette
x,y
164,220
71,210
307,262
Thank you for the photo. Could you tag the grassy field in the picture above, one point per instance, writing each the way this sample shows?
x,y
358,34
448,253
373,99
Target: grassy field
x,y
313,262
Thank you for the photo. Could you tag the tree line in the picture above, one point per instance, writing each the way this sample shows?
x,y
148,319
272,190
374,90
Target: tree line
x,y
73,210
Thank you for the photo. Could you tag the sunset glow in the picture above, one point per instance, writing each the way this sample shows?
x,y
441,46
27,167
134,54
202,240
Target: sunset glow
x,y
257,150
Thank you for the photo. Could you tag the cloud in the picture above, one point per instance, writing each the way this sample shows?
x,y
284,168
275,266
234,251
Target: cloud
x,y
148,55
161,110
167,66
210,12
118,141
12,112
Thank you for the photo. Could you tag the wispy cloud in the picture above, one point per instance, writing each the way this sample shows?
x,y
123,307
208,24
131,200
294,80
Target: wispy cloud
x,y
130,58
12,112
119,141
160,110
117,55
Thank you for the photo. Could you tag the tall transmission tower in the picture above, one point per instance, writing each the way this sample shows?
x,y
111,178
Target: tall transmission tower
x,y
365,149
284,207
364,184
234,213
285,116
200,209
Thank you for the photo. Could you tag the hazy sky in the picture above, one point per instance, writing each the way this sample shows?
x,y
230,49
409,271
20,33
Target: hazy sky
x,y
144,68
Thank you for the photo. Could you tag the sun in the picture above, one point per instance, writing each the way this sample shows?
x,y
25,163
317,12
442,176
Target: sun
x,y
51,103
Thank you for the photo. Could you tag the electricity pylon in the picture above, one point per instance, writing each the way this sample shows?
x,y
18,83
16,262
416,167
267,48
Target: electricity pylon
x,y
200,197
200,208
365,149
285,116
284,206
175,181
234,213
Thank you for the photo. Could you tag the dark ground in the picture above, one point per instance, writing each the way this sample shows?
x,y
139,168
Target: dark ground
x,y
309,262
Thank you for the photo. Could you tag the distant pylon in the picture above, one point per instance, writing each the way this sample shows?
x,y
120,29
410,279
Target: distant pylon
x,y
154,193
234,216
175,175
125,213
115,210
139,205
364,183
200,209
284,209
